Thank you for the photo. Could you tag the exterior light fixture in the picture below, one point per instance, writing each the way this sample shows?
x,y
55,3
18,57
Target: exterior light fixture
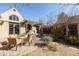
x,y
0,17
1,22
14,10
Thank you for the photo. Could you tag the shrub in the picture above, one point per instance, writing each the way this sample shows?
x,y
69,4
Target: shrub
x,y
73,39
50,44
47,39
53,46
58,32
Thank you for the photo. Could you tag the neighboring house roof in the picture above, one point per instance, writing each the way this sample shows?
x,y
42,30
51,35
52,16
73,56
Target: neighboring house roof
x,y
33,22
70,19
74,19
62,20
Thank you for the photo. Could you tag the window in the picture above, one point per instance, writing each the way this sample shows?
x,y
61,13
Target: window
x,y
72,29
13,28
10,28
17,28
14,17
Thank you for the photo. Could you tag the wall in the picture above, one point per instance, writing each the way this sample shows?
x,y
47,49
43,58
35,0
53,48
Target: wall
x,y
22,30
4,31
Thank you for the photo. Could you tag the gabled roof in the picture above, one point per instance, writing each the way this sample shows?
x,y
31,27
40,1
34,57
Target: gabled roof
x,y
12,11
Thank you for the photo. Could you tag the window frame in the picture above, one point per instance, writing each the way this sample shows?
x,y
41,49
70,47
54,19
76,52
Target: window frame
x,y
14,18
14,29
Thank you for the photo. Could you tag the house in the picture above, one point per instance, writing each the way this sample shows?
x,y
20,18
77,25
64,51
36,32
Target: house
x,y
36,25
11,22
71,24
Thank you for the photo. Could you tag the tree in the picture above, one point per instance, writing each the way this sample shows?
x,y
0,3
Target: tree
x,y
62,15
49,20
41,21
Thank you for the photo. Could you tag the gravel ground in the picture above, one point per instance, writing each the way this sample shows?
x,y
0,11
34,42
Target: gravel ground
x,y
19,52
62,51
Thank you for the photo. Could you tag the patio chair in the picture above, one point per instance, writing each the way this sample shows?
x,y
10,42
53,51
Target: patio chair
x,y
13,42
28,39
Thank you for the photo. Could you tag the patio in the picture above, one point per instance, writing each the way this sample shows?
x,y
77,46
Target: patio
x,y
19,52
21,49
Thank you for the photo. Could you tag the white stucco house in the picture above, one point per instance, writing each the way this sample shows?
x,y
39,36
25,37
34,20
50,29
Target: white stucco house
x,y
10,23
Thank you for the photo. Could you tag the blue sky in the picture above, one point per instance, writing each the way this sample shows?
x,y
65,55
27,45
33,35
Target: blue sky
x,y
36,11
